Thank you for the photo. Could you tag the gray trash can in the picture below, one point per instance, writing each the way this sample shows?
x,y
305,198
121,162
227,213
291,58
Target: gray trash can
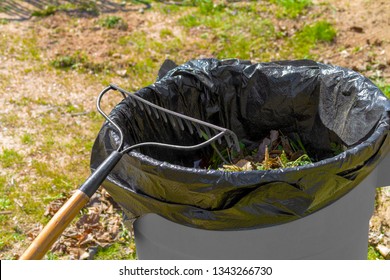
x,y
320,210
338,231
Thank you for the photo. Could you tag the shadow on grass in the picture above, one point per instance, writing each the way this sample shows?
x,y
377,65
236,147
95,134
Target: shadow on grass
x,y
11,10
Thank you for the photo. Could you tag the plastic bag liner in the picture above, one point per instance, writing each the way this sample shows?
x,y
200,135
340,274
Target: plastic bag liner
x,y
324,104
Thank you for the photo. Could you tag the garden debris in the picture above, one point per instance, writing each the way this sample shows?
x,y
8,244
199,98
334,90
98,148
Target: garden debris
x,y
54,206
99,226
274,151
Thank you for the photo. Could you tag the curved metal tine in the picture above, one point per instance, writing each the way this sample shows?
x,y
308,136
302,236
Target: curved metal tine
x,y
228,140
232,140
236,142
132,101
180,122
189,126
100,110
200,132
164,116
219,139
207,131
139,103
155,113
172,120
148,109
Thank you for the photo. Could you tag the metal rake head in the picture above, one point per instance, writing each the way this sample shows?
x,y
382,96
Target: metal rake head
x,y
209,132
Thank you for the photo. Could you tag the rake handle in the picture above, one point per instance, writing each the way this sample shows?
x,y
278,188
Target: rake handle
x,y
46,238
60,221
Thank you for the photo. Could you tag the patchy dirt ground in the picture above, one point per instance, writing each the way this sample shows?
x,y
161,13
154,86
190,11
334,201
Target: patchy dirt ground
x,y
363,37
362,44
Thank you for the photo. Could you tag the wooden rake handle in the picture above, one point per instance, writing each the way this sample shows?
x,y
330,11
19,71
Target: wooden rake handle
x,y
46,238
55,227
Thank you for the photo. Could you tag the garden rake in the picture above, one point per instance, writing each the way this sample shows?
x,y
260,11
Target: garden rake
x,y
80,198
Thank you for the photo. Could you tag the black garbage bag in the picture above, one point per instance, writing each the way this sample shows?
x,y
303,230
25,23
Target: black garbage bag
x,y
324,104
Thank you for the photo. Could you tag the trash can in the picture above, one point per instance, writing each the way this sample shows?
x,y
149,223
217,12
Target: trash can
x,y
321,210
338,232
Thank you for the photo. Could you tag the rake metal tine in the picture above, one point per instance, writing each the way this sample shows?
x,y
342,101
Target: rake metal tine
x,y
164,116
200,132
172,120
204,129
139,103
228,140
132,101
180,122
148,110
189,126
219,139
232,141
155,112
207,131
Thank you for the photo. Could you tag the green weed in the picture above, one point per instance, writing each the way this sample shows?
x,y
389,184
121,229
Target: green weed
x,y
321,31
386,90
10,237
11,120
292,8
208,7
4,8
228,34
51,256
68,61
117,251
189,21
46,11
88,7
26,100
26,48
2,242
79,61
207,14
113,22
165,33
373,254
168,9
309,36
3,181
73,109
5,203
10,157
382,85
142,69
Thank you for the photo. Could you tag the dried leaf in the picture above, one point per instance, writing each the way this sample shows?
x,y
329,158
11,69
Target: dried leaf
x,y
100,227
261,150
33,233
244,165
54,206
89,238
273,136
